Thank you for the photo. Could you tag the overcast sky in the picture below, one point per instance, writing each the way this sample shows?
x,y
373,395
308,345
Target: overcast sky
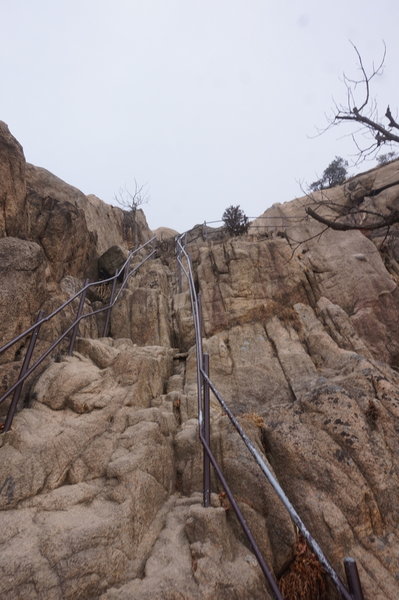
x,y
207,102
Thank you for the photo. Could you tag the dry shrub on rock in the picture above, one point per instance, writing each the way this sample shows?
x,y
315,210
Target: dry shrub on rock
x,y
305,578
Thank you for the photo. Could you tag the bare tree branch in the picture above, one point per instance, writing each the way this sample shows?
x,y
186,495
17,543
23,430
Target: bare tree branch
x,y
131,200
385,221
392,122
365,111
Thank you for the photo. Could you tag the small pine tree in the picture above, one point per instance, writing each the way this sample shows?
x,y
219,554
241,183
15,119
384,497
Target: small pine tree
x,y
235,220
334,174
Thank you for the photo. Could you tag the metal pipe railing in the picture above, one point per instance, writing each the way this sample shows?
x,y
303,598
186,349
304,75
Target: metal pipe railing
x,y
204,423
24,369
204,382
72,329
80,310
280,493
206,431
261,561
72,298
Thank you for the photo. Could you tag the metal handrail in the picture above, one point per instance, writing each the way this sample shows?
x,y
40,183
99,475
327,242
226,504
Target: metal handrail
x,y
203,380
196,315
72,298
208,454
27,370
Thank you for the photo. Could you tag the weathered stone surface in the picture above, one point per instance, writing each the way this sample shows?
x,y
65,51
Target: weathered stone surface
x,y
57,225
23,275
196,557
58,221
87,499
330,431
90,482
111,225
110,261
348,268
145,313
250,281
165,233
12,185
99,480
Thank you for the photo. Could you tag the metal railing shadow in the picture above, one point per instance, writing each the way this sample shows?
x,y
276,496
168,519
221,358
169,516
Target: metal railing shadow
x,y
353,590
122,275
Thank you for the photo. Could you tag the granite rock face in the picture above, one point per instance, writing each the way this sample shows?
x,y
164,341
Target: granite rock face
x,y
101,479
12,185
358,269
51,236
71,229
88,490
23,284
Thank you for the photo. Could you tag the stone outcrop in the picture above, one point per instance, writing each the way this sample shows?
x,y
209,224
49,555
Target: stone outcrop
x,y
23,284
51,236
13,185
89,492
58,222
145,315
358,270
71,229
101,479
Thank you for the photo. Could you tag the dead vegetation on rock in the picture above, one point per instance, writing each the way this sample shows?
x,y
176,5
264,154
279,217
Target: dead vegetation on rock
x,y
304,578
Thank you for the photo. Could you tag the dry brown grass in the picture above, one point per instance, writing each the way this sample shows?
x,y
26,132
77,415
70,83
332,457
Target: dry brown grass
x,y
305,578
255,419
224,501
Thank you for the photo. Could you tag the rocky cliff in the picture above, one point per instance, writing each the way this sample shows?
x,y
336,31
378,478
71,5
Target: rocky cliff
x,y
100,478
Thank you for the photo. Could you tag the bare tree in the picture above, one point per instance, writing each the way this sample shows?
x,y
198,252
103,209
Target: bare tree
x,y
130,201
361,108
356,211
353,207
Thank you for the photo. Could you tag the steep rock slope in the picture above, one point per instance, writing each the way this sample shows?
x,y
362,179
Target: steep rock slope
x,y
99,480
66,230
51,236
304,335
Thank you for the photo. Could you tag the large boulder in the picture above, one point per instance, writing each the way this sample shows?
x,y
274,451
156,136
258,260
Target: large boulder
x,y
111,261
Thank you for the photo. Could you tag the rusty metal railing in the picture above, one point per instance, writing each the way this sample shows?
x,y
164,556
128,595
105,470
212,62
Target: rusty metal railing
x,y
204,386
72,330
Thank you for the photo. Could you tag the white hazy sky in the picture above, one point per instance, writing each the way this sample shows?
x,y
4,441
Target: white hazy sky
x,y
208,102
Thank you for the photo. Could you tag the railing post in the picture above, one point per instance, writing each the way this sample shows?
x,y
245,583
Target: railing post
x,y
179,278
126,271
25,366
75,330
200,316
206,433
107,318
352,576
